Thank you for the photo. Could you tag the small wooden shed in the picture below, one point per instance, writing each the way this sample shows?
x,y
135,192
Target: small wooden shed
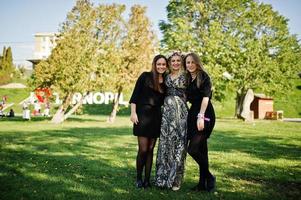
x,y
261,105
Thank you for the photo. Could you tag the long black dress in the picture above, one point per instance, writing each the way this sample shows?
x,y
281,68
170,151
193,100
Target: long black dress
x,y
148,107
195,96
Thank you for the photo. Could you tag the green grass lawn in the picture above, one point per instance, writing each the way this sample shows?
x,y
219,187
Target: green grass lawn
x,y
291,102
288,101
15,96
87,158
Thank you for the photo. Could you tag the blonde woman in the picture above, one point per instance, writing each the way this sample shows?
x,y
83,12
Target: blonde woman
x,y
172,142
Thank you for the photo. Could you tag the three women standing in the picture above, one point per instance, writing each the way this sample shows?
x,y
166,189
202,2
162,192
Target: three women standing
x,y
146,101
172,143
178,124
201,119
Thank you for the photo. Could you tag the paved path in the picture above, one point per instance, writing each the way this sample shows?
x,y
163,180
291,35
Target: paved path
x,y
7,106
292,119
13,85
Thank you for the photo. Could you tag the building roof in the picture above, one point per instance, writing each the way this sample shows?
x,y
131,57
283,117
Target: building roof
x,y
262,96
46,34
34,61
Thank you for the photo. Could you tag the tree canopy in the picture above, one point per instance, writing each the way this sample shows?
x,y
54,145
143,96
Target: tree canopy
x,y
6,66
246,39
97,49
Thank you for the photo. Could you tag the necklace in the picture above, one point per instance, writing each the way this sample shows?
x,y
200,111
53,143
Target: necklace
x,y
174,76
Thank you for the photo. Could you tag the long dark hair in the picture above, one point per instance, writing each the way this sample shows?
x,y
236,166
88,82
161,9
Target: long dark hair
x,y
199,69
156,84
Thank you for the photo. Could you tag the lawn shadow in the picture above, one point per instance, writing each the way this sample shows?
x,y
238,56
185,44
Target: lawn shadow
x,y
99,163
68,164
20,118
105,109
80,119
258,146
67,177
273,179
73,118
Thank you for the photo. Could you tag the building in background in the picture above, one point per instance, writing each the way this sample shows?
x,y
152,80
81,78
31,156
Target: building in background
x,y
44,43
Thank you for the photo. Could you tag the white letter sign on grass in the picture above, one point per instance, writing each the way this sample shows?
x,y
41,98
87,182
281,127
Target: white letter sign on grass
x,y
91,98
95,98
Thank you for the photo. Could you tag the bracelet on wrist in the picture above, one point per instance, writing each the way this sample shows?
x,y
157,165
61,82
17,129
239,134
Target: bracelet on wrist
x,y
200,116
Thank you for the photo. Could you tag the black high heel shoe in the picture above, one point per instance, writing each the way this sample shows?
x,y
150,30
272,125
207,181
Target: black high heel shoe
x,y
198,188
139,184
211,184
147,184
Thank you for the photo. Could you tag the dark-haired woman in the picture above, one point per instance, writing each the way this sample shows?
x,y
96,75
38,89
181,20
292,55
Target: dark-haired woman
x,y
201,119
146,101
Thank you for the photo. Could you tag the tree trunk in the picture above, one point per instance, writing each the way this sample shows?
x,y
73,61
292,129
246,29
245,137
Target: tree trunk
x,y
58,117
113,114
78,104
72,110
240,94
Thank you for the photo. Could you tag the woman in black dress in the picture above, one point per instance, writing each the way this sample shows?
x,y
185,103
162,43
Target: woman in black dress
x,y
201,119
146,101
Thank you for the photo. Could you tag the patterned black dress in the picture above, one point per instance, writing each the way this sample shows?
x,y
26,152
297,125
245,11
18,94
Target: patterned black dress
x,y
172,143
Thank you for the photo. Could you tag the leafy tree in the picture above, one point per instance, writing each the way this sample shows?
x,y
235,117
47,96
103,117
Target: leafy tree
x,y
68,69
22,70
2,59
110,27
9,59
96,47
137,48
97,50
244,38
6,66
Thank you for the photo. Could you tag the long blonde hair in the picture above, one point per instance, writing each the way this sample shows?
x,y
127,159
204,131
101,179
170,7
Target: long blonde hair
x,y
176,53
